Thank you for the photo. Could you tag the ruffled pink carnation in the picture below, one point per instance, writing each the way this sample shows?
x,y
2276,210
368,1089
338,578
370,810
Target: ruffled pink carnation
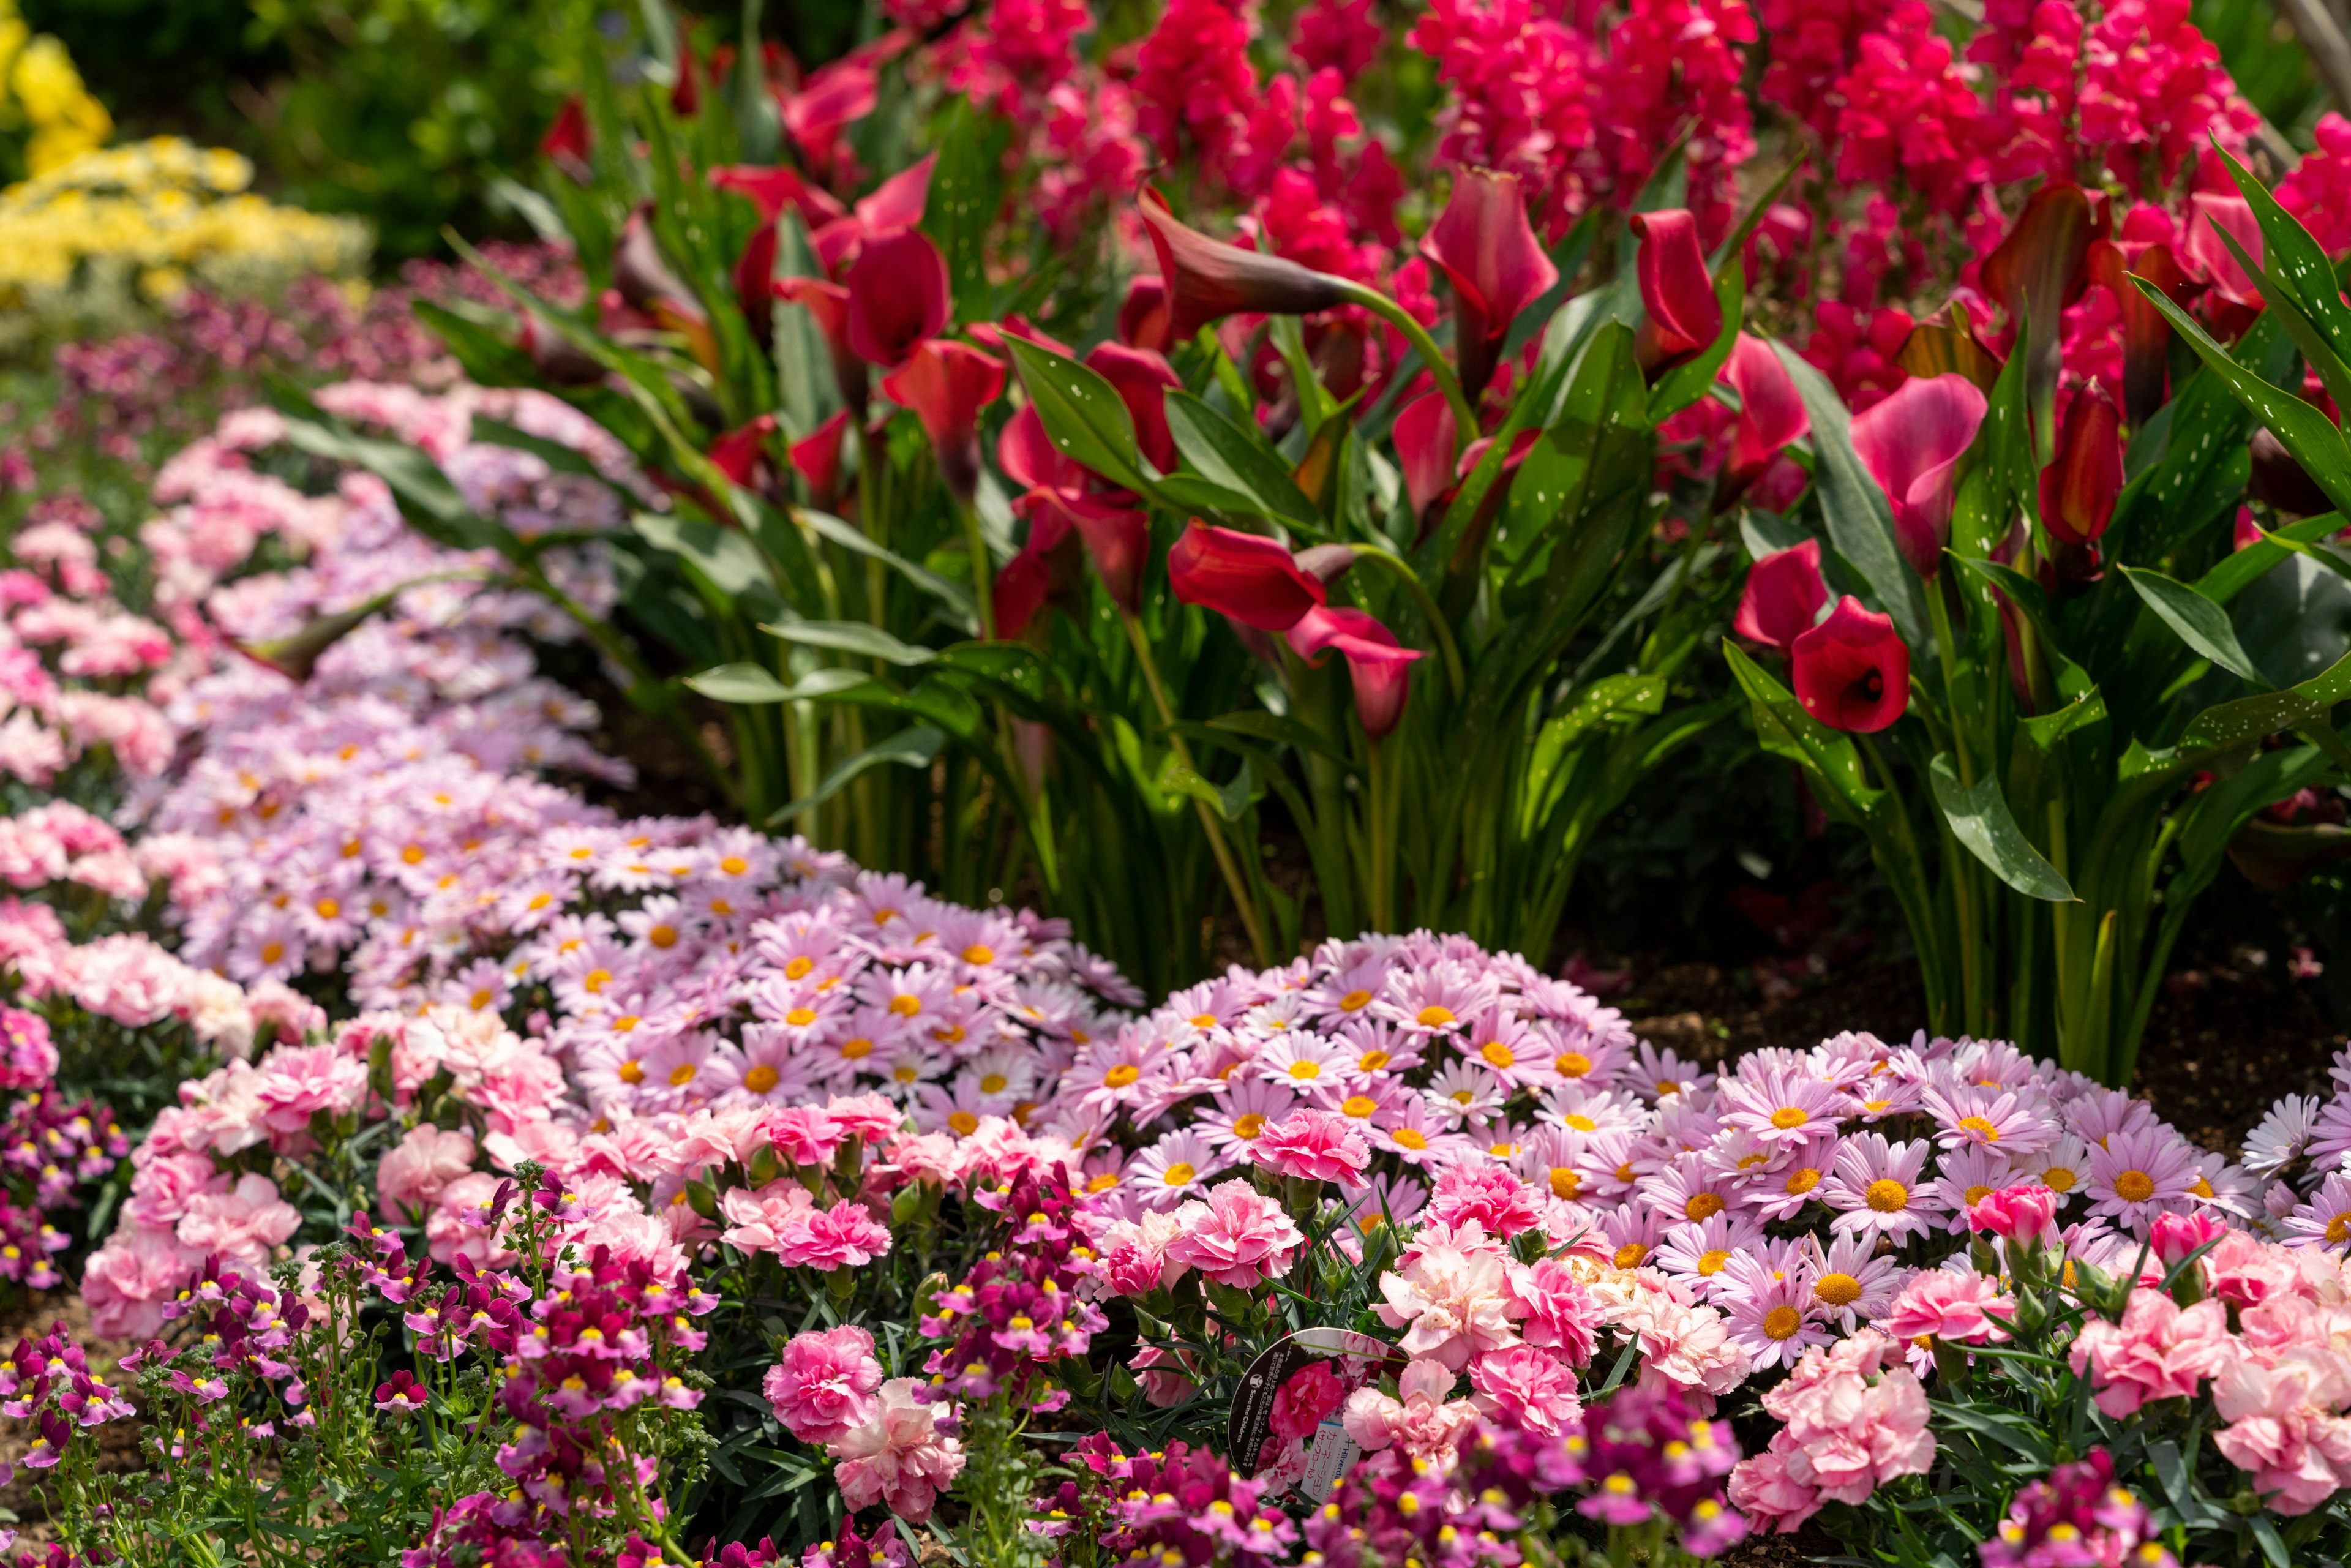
x,y
2027,1212
2160,1349
1857,1419
127,1282
1313,1145
846,1236
805,1136
2283,1427
242,1224
1453,1305
297,1082
1531,1388
1237,1237
1422,1420
1554,1309
898,1458
413,1171
1486,1193
825,1383
1965,1308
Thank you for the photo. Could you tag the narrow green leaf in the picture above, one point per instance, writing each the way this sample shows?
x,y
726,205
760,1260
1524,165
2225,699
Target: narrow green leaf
x,y
2239,570
917,747
744,685
1860,519
1228,801
967,188
2265,1530
1226,454
1831,759
1686,382
1979,819
2200,623
726,558
1082,414
854,637
2292,258
2287,305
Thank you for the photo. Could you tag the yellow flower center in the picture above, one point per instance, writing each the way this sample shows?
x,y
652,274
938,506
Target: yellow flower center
x,y
799,967
733,865
2338,1229
1702,1206
1565,1182
964,1123
1782,1321
663,936
1572,1063
272,951
1887,1195
680,1075
857,1050
1358,1106
904,1005
594,981
2133,1186
1580,1122
328,908
1976,1194
1433,1017
1354,1001
632,1073
1788,1117
1838,1290
1119,1077
2060,1179
1801,1180
1249,1125
1180,1174
993,1084
978,952
800,1018
1305,1071
1372,1061
1500,1055
1981,1127
761,1079
1711,1262
2202,1188
1410,1137
1629,1256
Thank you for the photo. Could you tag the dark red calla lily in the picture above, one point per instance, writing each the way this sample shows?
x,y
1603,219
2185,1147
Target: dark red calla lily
x,y
1911,442
1030,460
685,96
1117,537
1681,315
742,451
1771,413
1143,314
2147,336
2043,266
1209,280
898,202
946,383
993,333
898,296
1783,598
1141,379
1026,581
1853,671
568,141
2078,490
828,305
2281,482
1488,251
1380,668
1246,576
1424,450
817,456
771,190
754,278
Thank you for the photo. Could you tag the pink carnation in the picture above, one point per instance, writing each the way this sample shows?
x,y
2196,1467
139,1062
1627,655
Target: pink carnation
x,y
2027,1212
2160,1349
1854,1422
846,1236
413,1171
1486,1193
1555,1312
242,1224
127,1282
825,1383
1454,1305
2284,1428
297,1082
805,1136
1422,1420
1965,1308
1313,1145
898,1456
1237,1237
1310,1393
1529,1386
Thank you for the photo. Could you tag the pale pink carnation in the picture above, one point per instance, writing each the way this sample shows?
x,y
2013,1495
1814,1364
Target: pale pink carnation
x,y
296,1082
2284,1428
242,1224
1531,1388
805,1136
1453,1305
1134,1253
1486,1193
1554,1309
1422,1420
1313,1145
1237,1237
761,1219
825,1383
898,1458
413,1171
846,1236
2160,1349
1855,1421
1964,1309
127,1282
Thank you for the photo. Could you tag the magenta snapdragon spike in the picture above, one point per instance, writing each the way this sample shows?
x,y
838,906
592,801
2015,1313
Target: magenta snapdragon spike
x,y
1180,1506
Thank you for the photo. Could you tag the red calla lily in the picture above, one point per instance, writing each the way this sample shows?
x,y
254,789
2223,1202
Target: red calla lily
x,y
1783,598
818,457
1246,576
828,305
568,141
898,296
1210,279
1141,379
993,333
771,190
1911,442
755,277
741,453
1380,668
1143,314
2078,490
2147,336
946,383
1117,537
1771,413
1681,315
898,202
842,93
1488,251
1424,450
1853,671
1030,460
2043,266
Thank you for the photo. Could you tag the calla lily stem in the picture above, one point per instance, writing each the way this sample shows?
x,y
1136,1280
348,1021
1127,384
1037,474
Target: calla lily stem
x,y
1445,648
1465,418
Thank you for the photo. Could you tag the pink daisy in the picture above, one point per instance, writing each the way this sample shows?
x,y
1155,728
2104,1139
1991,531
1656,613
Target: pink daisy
x,y
1697,1254
1780,1106
1994,1119
2141,1174
1877,1189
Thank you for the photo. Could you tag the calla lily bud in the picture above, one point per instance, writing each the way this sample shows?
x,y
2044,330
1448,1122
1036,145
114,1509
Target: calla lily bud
x,y
817,456
1488,251
1143,315
1141,379
1426,451
2283,481
1783,597
754,276
1681,315
568,141
1208,280
1245,576
2078,490
1852,672
742,454
898,296
946,383
1380,669
1911,442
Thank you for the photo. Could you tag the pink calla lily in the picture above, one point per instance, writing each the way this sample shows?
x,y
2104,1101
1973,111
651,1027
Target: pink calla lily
x,y
1424,450
898,296
1852,672
1143,315
1681,315
1380,668
1783,597
898,201
1141,378
946,383
1771,413
1488,251
1911,442
1209,280
741,453
1030,460
817,456
1245,576
1118,538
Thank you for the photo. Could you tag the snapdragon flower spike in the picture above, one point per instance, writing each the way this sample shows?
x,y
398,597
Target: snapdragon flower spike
x,y
1022,1307
948,384
2079,489
1246,577
1379,666
1783,598
1911,442
1488,251
1852,672
1208,280
1681,317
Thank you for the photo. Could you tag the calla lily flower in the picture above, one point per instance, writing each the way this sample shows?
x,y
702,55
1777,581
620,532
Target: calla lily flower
x,y
817,456
741,453
2078,490
1118,538
1143,314
842,93
2147,336
1030,459
568,141
1380,668
2210,258
1141,379
991,335
1486,249
2040,268
828,305
1425,447
1246,576
1681,315
755,277
898,296
946,383
554,356
1911,442
771,190
1029,578
1946,344
1851,670
1783,598
1771,413
1210,279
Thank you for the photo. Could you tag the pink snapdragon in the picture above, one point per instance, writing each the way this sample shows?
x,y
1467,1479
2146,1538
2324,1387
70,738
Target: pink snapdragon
x,y
826,1384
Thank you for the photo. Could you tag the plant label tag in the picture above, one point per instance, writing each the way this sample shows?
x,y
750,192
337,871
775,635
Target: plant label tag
x,y
1287,1428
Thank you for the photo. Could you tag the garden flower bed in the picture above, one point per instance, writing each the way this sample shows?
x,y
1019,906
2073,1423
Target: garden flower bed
x,y
1109,1080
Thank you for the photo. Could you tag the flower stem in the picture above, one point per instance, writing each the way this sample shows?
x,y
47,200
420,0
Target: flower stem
x,y
983,571
1465,418
1446,649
